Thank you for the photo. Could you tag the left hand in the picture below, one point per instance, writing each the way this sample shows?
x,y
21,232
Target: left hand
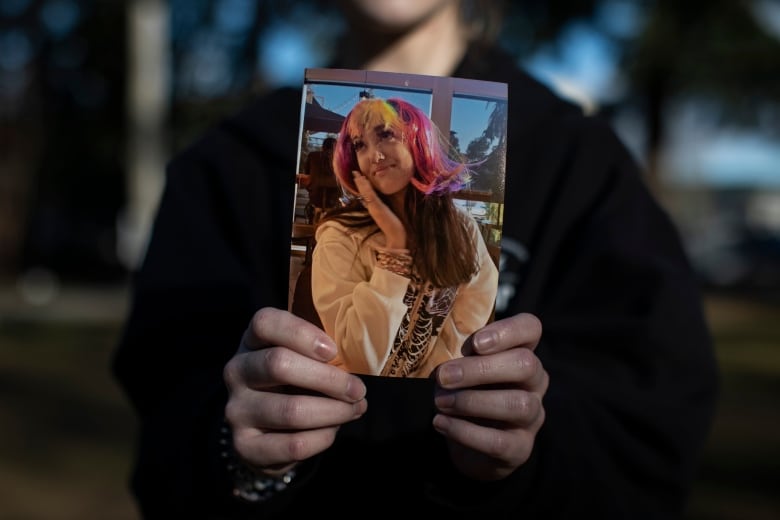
x,y
490,400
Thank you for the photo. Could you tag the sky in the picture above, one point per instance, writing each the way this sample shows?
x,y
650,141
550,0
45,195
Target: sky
x,y
469,116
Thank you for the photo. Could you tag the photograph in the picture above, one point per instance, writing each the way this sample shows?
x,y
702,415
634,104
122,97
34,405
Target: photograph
x,y
396,232
291,259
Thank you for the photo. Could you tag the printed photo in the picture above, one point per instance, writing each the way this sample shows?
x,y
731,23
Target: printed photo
x,y
396,228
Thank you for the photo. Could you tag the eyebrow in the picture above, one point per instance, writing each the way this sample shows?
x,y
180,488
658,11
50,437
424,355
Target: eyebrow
x,y
377,129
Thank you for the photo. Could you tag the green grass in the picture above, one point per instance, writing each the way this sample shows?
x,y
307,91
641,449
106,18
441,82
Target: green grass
x,y
67,432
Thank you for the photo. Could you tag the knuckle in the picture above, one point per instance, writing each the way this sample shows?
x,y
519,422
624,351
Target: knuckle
x,y
499,446
483,366
243,444
545,382
233,412
519,403
278,362
525,360
261,320
297,448
293,412
231,373
514,447
540,418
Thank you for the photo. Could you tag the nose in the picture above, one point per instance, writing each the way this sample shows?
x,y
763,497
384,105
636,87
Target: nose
x,y
378,155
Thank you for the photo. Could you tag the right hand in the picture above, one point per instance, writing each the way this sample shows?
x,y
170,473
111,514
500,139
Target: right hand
x,y
286,402
385,218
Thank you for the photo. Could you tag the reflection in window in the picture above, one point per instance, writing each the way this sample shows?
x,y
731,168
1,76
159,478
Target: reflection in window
x,y
478,132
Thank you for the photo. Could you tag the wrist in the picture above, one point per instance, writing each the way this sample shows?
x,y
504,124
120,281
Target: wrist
x,y
248,484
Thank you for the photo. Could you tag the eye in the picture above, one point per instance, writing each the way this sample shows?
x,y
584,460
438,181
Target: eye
x,y
358,145
386,134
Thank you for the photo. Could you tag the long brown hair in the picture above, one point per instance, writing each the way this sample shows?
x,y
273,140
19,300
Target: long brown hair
x,y
443,248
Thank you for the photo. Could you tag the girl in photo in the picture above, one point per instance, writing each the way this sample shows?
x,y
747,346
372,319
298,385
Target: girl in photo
x,y
400,276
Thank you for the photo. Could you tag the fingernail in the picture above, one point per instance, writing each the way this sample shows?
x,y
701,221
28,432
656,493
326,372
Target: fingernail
x,y
441,423
484,341
356,390
444,401
324,350
359,408
450,374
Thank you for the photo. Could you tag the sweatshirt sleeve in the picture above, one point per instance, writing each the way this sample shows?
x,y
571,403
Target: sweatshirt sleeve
x,y
360,307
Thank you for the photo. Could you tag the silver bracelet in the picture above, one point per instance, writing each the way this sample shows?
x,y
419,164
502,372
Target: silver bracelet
x,y
398,263
248,485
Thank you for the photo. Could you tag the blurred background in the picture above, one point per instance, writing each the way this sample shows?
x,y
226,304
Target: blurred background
x,y
96,95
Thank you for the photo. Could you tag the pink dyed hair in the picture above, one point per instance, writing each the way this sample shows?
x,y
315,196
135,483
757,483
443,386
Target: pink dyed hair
x,y
435,171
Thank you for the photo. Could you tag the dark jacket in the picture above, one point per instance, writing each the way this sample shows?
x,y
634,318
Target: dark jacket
x,y
586,248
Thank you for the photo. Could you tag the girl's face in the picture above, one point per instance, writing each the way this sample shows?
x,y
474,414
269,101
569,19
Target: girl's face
x,y
384,159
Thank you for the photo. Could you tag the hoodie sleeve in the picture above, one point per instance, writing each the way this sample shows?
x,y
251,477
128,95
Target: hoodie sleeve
x,y
360,307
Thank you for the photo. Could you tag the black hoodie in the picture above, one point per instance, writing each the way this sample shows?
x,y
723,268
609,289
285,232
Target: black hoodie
x,y
585,247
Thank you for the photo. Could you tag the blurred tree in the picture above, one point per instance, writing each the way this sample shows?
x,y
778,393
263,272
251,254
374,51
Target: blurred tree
x,y
226,51
65,123
64,66
711,49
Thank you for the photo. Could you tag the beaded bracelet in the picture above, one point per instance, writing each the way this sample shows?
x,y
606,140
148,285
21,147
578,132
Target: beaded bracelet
x,y
248,485
398,263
